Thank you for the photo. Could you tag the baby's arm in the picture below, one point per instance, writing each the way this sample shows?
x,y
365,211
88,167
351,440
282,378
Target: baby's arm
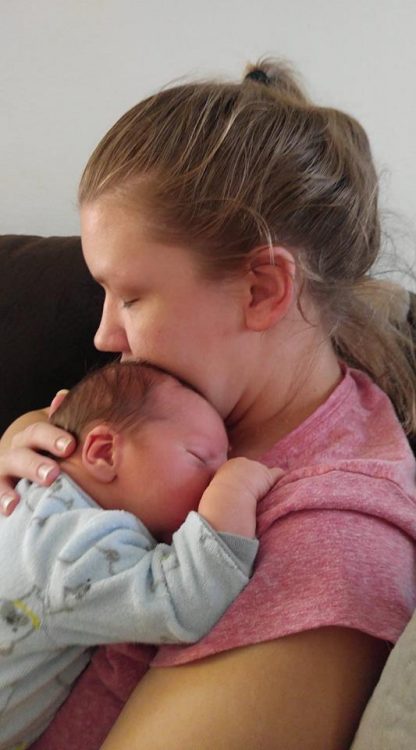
x,y
229,503
108,581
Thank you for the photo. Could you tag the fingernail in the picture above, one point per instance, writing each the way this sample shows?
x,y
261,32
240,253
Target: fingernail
x,y
5,502
44,472
62,444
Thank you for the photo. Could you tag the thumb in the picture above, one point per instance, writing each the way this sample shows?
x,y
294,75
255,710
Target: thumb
x,y
275,474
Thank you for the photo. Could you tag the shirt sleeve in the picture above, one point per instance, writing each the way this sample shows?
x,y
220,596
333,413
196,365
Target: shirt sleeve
x,y
108,581
318,568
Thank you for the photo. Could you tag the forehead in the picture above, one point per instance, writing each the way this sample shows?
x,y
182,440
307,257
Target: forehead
x,y
175,397
189,410
117,247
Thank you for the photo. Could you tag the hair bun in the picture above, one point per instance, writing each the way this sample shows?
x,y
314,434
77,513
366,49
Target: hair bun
x,y
279,76
258,75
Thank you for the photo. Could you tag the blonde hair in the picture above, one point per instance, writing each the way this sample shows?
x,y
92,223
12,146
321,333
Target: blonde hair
x,y
223,168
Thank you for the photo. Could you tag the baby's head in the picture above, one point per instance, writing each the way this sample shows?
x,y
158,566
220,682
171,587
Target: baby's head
x,y
147,443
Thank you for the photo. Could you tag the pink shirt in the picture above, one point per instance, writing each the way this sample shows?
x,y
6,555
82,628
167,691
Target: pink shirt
x,y
338,547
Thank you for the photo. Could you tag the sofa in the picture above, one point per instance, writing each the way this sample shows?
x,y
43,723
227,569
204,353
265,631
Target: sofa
x,y
49,310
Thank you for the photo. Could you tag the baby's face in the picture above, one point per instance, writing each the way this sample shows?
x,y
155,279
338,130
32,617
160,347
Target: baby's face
x,y
170,459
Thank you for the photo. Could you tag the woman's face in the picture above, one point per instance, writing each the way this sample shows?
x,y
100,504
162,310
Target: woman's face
x,y
158,307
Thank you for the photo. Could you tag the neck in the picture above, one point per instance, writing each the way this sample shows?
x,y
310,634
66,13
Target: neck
x,y
74,468
288,391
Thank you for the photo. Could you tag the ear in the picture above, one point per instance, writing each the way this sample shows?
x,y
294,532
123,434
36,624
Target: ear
x,y
100,453
271,280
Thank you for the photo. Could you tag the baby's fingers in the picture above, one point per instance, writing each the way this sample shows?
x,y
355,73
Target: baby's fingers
x,y
275,474
266,479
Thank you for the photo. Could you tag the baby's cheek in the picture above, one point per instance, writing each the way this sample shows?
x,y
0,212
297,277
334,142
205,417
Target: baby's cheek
x,y
186,493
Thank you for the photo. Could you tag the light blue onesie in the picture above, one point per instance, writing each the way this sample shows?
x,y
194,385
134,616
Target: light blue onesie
x,y
74,575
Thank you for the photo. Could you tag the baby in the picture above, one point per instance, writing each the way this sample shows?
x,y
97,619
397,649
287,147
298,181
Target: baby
x,y
151,452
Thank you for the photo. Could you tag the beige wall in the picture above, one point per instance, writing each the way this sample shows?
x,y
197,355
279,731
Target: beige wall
x,y
69,68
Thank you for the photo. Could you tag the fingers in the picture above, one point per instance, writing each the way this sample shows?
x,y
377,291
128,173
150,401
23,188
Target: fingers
x,y
275,474
8,503
265,479
24,459
247,476
24,462
42,436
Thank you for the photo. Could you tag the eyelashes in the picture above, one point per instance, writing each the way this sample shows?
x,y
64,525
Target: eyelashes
x,y
126,304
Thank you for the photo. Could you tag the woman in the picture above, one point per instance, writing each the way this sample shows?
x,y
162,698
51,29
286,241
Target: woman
x,y
233,227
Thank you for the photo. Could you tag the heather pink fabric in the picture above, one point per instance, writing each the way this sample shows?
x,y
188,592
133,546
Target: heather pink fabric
x,y
338,547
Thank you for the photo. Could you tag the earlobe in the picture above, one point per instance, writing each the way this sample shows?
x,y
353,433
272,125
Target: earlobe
x,y
271,278
99,453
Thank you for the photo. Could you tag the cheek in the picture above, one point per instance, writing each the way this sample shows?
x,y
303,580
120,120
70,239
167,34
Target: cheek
x,y
168,344
145,337
181,484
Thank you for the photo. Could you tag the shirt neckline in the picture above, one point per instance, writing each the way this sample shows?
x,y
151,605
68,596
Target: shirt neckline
x,y
324,412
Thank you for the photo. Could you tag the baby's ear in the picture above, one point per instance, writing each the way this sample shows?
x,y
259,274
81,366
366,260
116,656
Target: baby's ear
x,y
99,452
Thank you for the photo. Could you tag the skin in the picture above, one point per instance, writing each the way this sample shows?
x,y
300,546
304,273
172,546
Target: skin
x,y
159,469
303,692
169,464
246,347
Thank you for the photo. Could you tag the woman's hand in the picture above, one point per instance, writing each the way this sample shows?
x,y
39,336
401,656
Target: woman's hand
x,y
20,456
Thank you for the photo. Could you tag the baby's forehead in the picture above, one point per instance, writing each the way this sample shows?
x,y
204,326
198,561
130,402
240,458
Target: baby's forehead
x,y
185,407
172,394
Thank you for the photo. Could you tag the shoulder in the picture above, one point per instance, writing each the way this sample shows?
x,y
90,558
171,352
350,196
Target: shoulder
x,y
356,429
317,568
375,487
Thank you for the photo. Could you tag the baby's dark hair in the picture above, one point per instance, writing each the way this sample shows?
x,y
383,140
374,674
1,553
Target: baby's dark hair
x,y
121,394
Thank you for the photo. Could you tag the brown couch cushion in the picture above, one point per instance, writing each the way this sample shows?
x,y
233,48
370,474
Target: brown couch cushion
x,y
49,310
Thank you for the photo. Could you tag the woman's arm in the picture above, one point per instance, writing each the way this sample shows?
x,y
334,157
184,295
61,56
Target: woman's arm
x,y
304,691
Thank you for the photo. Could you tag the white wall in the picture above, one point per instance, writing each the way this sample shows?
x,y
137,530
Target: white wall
x,y
69,68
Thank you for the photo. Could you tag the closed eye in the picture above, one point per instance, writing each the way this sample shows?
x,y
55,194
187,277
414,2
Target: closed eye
x,y
128,303
196,455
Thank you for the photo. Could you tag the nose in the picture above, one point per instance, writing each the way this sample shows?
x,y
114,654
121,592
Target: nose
x,y
111,336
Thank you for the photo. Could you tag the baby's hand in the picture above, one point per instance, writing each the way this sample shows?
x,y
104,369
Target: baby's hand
x,y
246,477
229,503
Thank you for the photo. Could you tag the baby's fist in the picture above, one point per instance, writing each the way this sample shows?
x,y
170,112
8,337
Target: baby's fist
x,y
248,477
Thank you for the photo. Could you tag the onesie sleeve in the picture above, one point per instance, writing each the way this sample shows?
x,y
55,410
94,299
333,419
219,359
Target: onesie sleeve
x,y
108,581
